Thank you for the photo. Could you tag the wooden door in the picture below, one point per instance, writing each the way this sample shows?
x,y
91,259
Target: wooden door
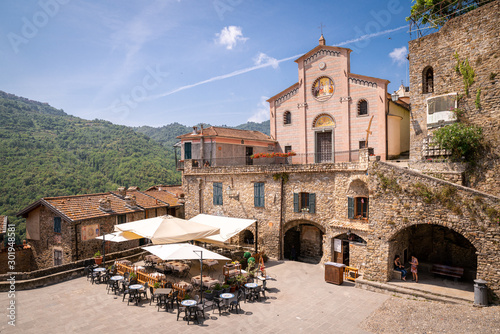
x,y
324,147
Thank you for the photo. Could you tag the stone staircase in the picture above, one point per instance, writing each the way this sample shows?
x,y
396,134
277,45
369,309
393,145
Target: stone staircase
x,y
411,292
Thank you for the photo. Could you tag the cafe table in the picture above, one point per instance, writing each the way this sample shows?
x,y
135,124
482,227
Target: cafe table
x,y
115,279
136,287
190,305
227,297
99,269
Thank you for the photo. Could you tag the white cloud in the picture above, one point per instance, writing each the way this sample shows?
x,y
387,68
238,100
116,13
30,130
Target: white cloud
x,y
262,112
398,55
263,59
229,36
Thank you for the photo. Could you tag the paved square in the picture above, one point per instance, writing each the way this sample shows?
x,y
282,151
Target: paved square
x,y
299,301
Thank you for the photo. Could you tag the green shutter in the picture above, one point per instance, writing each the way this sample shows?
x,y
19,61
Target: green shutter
x,y
187,151
261,195
256,196
350,207
295,202
217,193
312,203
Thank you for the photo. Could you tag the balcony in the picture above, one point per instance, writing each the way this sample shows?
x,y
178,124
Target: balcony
x,y
338,160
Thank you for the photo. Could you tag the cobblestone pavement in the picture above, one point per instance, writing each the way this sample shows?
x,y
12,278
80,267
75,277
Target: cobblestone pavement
x,y
400,315
299,301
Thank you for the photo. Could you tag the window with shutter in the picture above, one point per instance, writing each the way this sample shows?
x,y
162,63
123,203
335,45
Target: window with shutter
x,y
295,202
217,197
187,151
350,207
312,203
258,194
57,224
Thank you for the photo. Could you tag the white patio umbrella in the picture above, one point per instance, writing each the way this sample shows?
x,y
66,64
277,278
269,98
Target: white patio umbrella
x,y
229,226
167,229
119,236
185,252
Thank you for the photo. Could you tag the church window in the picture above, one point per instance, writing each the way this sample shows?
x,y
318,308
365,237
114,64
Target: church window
x,y
287,117
428,80
362,107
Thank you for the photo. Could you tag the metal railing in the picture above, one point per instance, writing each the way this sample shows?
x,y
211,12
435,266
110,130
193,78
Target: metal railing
x,y
310,158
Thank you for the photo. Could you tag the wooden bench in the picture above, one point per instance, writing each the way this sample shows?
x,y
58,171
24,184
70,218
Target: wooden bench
x,y
441,269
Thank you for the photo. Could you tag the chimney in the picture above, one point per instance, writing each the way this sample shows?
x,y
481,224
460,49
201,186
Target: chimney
x,y
105,204
322,40
201,126
195,130
122,191
130,201
134,188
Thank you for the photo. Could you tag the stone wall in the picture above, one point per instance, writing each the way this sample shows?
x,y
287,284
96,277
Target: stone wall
x,y
402,198
24,260
474,36
329,182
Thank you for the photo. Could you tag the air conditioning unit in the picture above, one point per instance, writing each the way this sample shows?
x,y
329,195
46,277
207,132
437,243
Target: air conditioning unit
x,y
440,110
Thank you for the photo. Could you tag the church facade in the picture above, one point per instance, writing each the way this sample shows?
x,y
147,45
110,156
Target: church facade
x,y
325,116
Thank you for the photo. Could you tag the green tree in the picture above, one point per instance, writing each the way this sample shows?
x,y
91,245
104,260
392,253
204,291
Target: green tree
x,y
437,12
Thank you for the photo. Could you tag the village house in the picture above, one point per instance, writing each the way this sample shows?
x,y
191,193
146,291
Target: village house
x,y
63,229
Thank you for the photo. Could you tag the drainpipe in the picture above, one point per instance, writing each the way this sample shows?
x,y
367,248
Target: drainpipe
x,y
76,240
281,220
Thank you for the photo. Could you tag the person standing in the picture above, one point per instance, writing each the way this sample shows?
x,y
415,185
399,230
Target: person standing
x,y
414,269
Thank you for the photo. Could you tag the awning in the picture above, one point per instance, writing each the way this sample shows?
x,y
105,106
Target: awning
x,y
120,236
228,226
168,229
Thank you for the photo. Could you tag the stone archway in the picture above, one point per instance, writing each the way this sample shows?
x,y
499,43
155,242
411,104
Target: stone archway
x,y
303,241
434,244
247,237
349,249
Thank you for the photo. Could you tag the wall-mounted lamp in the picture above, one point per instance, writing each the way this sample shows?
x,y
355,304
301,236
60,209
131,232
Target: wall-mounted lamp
x,y
394,97
233,193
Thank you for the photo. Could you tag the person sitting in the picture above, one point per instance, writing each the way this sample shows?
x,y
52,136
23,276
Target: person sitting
x,y
399,267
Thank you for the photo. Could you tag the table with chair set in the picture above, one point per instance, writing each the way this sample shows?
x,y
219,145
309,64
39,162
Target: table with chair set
x,y
135,293
114,283
208,281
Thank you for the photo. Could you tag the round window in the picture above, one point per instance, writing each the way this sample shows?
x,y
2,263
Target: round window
x,y
322,88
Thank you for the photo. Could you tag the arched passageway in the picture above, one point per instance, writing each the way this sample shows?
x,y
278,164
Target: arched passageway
x,y
435,244
303,242
246,237
349,249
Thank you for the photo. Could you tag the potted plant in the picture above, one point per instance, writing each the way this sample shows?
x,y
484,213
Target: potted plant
x,y
98,258
226,288
133,278
208,294
156,285
217,289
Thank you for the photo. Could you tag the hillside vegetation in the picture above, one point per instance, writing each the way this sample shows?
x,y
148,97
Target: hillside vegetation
x,y
45,153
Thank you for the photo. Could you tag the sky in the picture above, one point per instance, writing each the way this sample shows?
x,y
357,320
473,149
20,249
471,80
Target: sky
x,y
146,62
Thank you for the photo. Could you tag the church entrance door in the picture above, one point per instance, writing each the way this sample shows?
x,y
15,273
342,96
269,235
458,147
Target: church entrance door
x,y
324,147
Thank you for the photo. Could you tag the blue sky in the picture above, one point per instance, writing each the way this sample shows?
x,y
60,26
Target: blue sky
x,y
213,61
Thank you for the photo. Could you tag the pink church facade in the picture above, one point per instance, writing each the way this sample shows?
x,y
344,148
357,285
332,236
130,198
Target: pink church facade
x,y
324,117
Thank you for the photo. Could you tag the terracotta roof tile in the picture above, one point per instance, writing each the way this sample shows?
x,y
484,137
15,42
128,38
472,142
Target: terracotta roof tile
x,y
87,206
229,133
146,201
164,196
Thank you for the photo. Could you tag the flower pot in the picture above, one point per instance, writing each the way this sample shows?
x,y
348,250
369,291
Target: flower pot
x,y
232,289
98,260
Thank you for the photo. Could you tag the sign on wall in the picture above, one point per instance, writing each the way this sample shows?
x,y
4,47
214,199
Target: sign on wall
x,y
90,232
337,245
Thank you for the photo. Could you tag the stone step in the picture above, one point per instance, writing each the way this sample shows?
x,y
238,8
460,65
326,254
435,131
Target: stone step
x,y
409,292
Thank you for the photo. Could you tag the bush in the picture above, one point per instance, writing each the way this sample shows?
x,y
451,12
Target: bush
x,y
462,140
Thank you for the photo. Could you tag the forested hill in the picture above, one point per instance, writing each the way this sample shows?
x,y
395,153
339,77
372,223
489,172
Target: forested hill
x,y
45,152
167,134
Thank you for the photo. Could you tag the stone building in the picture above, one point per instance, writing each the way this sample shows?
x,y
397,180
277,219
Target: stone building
x,y
218,146
63,229
436,86
325,116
